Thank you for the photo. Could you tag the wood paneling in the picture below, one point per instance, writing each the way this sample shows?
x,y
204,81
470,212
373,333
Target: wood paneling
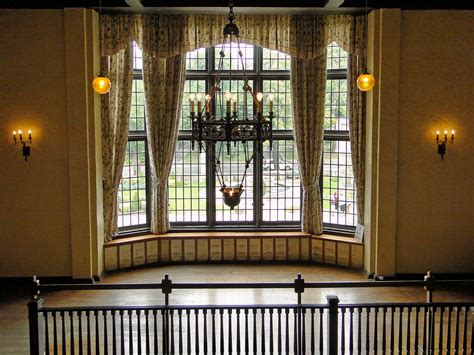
x,y
231,246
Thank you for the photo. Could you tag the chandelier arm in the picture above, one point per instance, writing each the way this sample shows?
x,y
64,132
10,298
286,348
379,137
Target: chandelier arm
x,y
247,162
218,78
244,73
217,167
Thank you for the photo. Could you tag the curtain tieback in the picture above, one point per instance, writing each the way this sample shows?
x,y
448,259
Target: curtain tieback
x,y
110,188
310,188
158,182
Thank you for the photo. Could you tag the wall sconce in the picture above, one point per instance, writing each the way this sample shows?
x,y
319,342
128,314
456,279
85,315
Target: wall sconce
x,y
442,143
26,148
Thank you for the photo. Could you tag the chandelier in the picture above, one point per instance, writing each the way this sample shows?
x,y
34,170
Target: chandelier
x,y
225,126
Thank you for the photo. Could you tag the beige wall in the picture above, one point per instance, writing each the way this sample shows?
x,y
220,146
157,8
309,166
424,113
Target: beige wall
x,y
48,205
424,210
420,208
436,197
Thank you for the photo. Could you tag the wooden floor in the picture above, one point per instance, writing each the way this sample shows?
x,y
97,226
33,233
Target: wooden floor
x,y
13,312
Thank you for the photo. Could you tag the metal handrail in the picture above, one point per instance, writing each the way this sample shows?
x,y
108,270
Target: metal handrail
x,y
247,285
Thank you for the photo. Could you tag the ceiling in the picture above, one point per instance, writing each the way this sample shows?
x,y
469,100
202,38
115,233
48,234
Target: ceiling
x,y
249,6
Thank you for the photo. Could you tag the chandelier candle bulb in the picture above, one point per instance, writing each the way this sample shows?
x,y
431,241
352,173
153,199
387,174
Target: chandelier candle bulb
x,y
234,100
198,98
259,102
20,133
452,134
437,135
270,101
445,134
228,97
29,134
191,99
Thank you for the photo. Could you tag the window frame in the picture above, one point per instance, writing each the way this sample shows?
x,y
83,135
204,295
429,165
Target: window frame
x,y
257,75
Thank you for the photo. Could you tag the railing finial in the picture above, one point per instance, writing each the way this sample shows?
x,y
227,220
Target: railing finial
x,y
299,284
35,288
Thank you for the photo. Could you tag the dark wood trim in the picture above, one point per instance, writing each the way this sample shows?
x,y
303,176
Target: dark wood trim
x,y
27,281
240,3
437,276
129,6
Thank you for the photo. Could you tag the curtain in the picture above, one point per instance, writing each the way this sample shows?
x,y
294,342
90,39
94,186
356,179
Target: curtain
x,y
115,115
357,112
166,35
308,93
164,85
308,88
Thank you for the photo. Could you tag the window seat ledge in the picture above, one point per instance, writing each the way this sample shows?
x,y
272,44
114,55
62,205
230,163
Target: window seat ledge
x,y
233,235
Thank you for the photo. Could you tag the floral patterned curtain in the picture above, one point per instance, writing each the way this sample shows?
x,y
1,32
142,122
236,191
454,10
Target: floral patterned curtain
x,y
166,35
357,109
115,115
164,85
308,93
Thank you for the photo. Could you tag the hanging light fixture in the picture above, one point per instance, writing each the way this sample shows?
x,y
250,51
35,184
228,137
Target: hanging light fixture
x,y
226,127
101,84
365,81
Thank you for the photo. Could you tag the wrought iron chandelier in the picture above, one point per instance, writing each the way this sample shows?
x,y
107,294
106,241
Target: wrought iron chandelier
x,y
226,127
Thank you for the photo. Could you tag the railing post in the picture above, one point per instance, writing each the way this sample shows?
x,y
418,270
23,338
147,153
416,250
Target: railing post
x,y
430,285
333,302
167,288
34,325
299,289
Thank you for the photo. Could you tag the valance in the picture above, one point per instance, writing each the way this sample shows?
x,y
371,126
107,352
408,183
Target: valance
x,y
167,35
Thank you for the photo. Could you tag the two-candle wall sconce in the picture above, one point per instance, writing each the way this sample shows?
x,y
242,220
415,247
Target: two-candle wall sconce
x,y
442,143
25,141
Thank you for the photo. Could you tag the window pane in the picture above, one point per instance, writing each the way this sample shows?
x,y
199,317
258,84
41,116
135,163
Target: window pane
x,y
232,59
337,57
233,166
187,189
281,91
190,87
335,117
281,182
137,111
132,189
137,57
196,60
339,199
275,60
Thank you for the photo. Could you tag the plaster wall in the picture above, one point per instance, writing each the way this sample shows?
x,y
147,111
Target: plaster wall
x,y
435,213
50,222
34,203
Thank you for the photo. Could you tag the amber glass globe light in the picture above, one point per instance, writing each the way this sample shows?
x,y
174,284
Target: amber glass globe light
x,y
365,82
101,85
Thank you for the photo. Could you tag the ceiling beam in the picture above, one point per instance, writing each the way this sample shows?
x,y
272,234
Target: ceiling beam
x,y
239,3
412,4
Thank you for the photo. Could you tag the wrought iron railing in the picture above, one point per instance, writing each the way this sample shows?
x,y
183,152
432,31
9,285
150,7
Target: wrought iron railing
x,y
298,328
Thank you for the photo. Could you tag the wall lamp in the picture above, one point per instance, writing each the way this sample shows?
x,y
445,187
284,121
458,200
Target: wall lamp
x,y
442,143
26,142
